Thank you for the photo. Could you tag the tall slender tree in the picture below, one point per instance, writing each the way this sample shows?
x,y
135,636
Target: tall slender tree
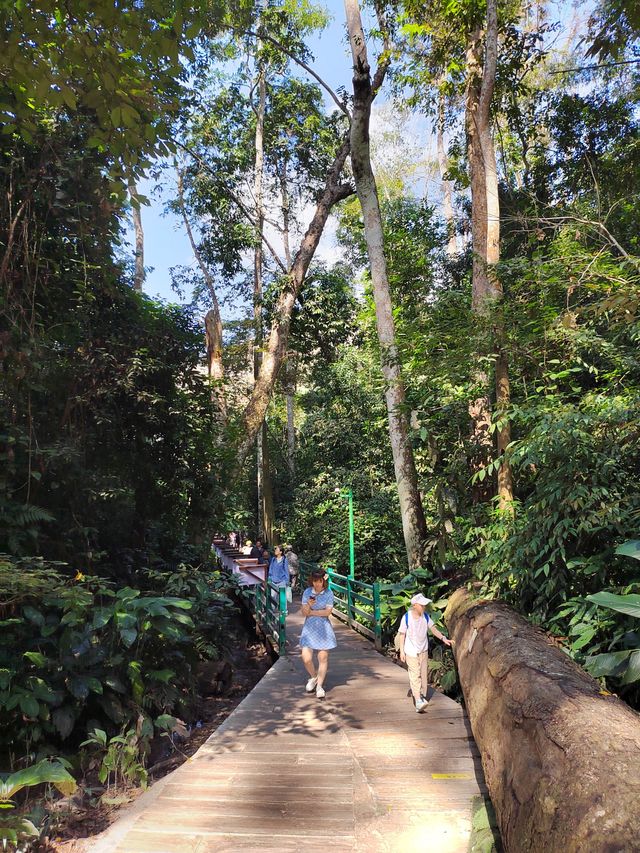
x,y
364,91
485,238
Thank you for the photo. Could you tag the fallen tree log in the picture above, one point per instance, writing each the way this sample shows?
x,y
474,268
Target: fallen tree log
x,y
561,757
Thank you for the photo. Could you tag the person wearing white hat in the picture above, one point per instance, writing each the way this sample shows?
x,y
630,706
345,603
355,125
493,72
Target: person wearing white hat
x,y
413,643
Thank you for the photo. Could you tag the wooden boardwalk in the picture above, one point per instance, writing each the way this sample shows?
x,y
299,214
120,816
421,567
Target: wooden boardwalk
x,y
357,771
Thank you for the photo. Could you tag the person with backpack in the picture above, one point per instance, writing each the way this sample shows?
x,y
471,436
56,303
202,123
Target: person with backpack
x,y
413,645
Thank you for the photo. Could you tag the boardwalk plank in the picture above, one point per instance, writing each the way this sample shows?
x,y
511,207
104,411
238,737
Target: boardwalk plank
x,y
358,771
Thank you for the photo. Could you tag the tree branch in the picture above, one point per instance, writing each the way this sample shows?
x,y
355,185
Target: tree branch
x,y
490,61
340,104
234,198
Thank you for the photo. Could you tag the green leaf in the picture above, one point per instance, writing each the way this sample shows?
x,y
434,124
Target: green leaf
x,y
42,772
611,663
128,636
583,639
94,684
629,604
164,675
630,549
29,705
632,672
64,720
36,657
101,617
78,686
33,615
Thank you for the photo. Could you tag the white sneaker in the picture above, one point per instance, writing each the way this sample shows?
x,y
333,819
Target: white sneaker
x,y
421,705
320,694
311,684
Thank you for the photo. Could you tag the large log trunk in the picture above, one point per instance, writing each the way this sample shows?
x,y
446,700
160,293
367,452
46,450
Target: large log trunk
x,y
561,757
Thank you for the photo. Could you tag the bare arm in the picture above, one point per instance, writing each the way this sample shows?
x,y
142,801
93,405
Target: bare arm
x,y
326,611
439,636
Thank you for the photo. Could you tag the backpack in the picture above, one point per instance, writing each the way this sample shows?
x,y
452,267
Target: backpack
x,y
396,641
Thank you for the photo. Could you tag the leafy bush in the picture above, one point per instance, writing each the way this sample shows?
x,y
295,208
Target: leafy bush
x,y
80,654
578,466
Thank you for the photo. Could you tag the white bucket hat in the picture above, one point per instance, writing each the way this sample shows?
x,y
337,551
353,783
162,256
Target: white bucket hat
x,y
421,599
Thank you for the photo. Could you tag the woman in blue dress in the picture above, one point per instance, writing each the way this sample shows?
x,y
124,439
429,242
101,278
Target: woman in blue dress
x,y
317,633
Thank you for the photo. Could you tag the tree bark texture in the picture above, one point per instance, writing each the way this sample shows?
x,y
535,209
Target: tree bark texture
x,y
213,319
138,279
561,757
276,346
289,386
268,509
413,521
261,466
215,369
485,230
447,188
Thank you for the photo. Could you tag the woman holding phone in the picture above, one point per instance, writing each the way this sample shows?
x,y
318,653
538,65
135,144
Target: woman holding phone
x,y
317,633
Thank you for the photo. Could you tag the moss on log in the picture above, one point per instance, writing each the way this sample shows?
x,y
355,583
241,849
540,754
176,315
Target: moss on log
x,y
561,757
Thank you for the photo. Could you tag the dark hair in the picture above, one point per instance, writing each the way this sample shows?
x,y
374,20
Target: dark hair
x,y
319,574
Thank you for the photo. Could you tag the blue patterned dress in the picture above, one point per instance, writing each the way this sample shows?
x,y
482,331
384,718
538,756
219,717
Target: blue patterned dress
x,y
318,631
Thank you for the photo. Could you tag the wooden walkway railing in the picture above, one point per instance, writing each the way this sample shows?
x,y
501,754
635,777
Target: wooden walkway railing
x,y
357,771
267,602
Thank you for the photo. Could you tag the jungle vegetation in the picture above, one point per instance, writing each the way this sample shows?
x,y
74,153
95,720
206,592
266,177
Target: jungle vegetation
x,y
464,358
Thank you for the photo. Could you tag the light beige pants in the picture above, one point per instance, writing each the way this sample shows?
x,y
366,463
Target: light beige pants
x,y
417,667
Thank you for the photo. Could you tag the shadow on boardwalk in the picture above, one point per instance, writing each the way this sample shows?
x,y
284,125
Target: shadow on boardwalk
x,y
359,770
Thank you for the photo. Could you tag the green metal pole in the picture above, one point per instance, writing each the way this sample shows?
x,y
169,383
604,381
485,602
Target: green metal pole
x,y
377,625
352,550
282,621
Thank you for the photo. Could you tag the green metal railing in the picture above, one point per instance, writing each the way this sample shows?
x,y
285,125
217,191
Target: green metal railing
x,y
355,602
268,603
350,596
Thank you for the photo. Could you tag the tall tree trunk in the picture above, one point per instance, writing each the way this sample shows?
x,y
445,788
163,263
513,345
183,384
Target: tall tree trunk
x,y
276,346
213,318
289,387
268,509
413,522
261,468
485,224
138,279
290,364
447,186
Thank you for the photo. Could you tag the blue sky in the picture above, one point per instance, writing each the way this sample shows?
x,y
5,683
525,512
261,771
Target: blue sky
x,y
166,243
165,240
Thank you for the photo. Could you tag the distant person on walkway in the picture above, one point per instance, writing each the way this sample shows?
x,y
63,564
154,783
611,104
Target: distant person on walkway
x,y
294,564
257,552
232,539
279,568
265,556
413,636
246,548
317,633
